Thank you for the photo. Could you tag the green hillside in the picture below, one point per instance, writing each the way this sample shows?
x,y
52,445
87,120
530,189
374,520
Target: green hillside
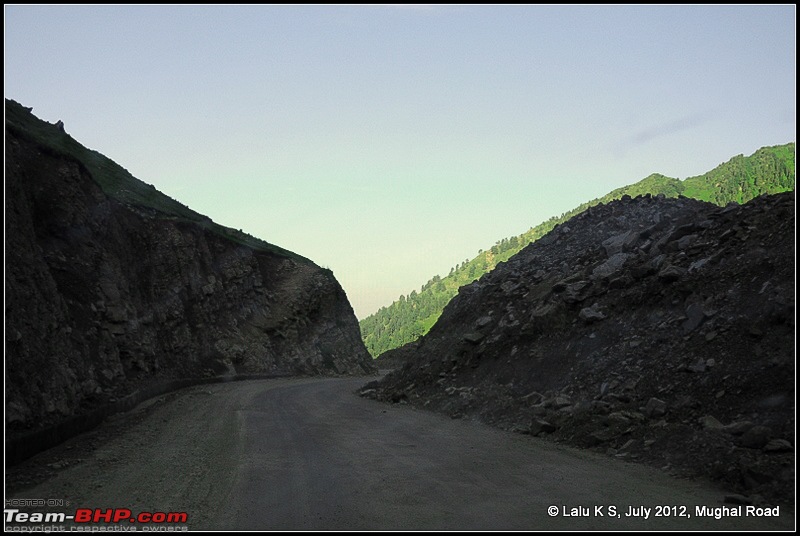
x,y
117,182
769,170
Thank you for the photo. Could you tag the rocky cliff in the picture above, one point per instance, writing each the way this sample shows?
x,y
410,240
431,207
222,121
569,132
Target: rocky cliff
x,y
657,330
111,286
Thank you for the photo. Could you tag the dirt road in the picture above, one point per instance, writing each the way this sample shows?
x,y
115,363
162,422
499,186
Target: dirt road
x,y
308,454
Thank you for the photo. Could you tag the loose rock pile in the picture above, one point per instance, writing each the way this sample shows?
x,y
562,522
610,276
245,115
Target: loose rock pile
x,y
656,330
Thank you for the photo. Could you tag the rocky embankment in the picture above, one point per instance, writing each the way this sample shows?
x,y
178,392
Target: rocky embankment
x,y
104,297
655,330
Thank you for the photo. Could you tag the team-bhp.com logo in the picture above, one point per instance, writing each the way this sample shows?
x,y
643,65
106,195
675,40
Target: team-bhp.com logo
x,y
95,515
118,515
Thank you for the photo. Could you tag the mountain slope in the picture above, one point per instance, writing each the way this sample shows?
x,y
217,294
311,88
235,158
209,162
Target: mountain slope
x,y
768,170
113,288
116,182
653,329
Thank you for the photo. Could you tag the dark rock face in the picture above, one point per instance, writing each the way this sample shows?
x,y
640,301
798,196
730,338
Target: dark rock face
x,y
103,298
658,330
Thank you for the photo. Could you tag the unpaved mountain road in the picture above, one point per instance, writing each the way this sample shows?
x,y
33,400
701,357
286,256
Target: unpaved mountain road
x,y
308,454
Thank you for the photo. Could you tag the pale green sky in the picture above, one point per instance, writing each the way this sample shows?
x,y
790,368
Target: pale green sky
x,y
390,144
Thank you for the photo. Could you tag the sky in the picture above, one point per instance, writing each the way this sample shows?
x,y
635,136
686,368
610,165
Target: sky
x,y
390,143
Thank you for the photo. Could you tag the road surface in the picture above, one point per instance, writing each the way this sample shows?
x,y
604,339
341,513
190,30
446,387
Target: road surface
x,y
308,454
